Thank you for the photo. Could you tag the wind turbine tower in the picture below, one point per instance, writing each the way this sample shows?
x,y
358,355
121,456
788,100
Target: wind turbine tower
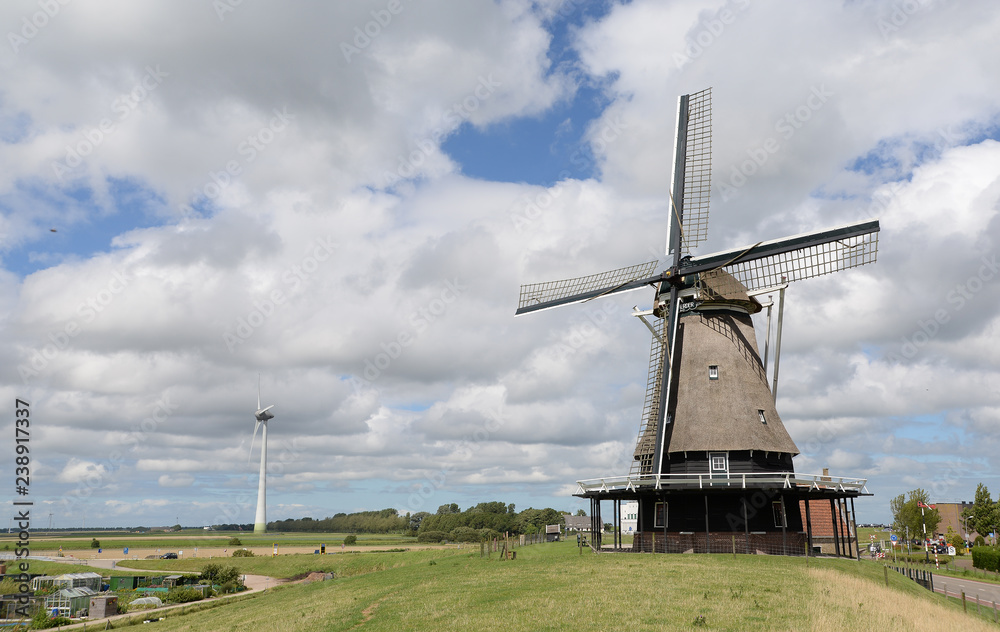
x,y
262,415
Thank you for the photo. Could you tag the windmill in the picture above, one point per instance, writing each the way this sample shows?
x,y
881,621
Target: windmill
x,y
262,416
709,411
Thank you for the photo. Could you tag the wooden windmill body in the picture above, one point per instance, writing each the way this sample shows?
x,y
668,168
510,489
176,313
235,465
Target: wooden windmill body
x,y
713,459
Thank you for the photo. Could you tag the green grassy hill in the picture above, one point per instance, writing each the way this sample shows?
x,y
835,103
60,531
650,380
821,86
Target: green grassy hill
x,y
552,587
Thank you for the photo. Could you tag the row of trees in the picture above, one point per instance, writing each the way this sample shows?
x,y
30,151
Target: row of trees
x,y
495,515
384,521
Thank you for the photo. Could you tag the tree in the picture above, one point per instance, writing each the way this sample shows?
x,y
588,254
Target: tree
x,y
95,543
351,540
906,514
984,512
416,519
448,509
581,512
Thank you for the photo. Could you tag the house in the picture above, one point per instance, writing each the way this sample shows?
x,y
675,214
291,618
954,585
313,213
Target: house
x,y
577,523
629,517
951,516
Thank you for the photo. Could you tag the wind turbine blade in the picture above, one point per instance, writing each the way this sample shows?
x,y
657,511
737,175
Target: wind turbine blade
x,y
258,392
250,456
261,412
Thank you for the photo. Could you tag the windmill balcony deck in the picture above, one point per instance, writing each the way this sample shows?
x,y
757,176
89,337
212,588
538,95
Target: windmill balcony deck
x,y
625,485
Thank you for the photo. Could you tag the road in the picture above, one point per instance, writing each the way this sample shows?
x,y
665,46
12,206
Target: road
x,y
987,594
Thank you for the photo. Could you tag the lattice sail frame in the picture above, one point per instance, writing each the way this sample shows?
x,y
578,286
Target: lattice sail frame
x,y
697,170
645,445
807,262
535,293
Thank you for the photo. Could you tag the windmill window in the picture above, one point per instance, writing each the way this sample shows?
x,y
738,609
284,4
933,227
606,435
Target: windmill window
x,y
760,415
718,462
713,371
779,515
660,520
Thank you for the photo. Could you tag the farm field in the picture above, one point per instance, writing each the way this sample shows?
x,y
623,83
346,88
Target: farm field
x,y
553,587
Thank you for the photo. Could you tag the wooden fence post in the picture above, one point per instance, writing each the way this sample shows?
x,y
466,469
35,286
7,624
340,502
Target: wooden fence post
x,y
965,608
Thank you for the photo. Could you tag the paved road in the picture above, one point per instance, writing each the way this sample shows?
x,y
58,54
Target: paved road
x,y
986,593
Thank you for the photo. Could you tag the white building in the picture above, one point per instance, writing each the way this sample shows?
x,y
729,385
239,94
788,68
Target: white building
x,y
629,518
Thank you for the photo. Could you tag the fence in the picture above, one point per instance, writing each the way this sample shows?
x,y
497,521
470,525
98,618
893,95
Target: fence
x,y
981,604
507,545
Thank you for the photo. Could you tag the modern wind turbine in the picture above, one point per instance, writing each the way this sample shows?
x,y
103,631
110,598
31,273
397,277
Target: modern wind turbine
x,y
262,415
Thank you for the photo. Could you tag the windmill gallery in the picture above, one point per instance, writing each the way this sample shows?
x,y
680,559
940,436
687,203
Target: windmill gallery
x,y
712,468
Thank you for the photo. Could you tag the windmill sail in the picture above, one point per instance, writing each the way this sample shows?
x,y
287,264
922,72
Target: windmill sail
x,y
538,296
645,445
697,170
795,258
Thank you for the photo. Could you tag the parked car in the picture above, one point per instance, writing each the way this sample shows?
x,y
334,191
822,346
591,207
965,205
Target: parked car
x,y
168,556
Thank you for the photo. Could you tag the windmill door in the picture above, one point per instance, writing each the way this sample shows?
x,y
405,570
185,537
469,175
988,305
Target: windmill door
x,y
718,466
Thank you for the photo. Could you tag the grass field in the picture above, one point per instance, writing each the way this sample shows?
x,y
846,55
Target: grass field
x,y
553,587
191,538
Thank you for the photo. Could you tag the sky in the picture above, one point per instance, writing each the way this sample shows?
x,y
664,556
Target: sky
x,y
343,198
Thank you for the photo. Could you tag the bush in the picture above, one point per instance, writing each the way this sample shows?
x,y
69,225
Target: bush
x,y
95,543
242,553
229,587
219,574
986,558
234,541
432,536
464,534
351,540
182,595
979,541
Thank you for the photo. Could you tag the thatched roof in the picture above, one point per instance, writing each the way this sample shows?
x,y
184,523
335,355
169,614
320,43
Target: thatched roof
x,y
723,413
